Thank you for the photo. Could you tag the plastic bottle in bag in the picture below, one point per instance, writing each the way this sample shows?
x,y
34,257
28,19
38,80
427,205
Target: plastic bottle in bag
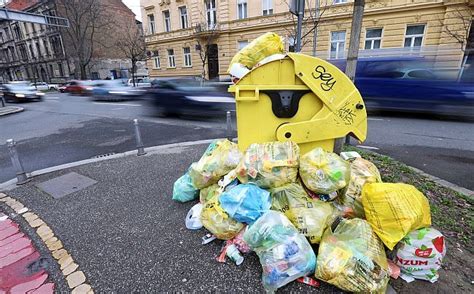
x,y
324,172
285,254
352,257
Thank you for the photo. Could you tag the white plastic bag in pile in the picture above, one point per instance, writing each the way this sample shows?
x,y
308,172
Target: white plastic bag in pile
x,y
420,254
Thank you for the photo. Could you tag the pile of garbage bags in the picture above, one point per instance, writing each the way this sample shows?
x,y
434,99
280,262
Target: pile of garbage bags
x,y
312,215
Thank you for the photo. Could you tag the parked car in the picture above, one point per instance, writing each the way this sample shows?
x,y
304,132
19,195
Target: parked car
x,y
79,87
187,97
20,92
62,87
114,90
40,86
140,83
409,84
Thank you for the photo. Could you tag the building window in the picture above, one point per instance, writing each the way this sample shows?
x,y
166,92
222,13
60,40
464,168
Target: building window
x,y
171,62
156,62
187,57
242,8
183,13
23,54
151,23
166,17
46,47
414,36
12,52
373,38
211,13
32,52
338,40
33,28
339,1
7,34
267,7
17,32
38,49
26,27
51,70
242,44
60,68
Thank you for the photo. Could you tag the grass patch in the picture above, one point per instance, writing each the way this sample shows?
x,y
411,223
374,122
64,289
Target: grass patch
x,y
451,212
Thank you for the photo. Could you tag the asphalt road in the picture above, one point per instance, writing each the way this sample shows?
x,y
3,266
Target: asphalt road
x,y
66,128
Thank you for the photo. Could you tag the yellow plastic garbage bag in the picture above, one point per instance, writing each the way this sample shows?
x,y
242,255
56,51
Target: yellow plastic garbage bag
x,y
207,193
263,46
352,258
269,165
217,221
324,172
220,157
394,210
310,216
350,198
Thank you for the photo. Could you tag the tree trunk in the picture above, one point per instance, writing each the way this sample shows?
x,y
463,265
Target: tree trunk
x,y
83,71
354,42
134,68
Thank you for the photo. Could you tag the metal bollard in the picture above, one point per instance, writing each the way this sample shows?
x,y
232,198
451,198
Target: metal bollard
x,y
138,137
229,126
20,172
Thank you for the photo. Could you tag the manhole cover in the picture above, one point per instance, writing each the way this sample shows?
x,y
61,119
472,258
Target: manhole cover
x,y
65,184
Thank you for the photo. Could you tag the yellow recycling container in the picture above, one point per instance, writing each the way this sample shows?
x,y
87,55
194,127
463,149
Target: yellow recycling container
x,y
298,98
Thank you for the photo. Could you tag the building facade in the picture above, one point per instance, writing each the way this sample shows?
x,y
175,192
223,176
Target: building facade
x,y
31,51
37,52
175,28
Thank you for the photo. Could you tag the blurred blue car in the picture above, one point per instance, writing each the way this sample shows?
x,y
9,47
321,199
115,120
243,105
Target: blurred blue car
x,y
409,85
114,90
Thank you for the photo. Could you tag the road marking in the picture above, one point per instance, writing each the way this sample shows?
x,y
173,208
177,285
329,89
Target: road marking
x,y
371,118
118,108
52,97
367,147
119,104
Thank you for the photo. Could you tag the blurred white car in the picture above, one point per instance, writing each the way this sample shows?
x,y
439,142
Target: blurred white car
x,y
41,86
139,82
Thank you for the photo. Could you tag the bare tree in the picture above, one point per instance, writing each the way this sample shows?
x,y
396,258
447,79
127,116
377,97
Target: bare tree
x,y
314,10
205,35
86,19
460,32
132,45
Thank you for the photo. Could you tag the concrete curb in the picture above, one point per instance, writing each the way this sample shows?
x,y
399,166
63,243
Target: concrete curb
x,y
10,110
11,184
444,183
468,193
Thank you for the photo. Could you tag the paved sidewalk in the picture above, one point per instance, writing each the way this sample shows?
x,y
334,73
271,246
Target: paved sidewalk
x,y
10,110
126,234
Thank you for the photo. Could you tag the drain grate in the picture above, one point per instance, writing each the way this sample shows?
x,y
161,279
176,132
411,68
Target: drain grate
x,y
104,155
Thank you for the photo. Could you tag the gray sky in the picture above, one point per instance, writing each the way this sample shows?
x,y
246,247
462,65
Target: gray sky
x,y
134,5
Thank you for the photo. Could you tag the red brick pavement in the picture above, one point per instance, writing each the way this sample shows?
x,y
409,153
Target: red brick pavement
x,y
17,254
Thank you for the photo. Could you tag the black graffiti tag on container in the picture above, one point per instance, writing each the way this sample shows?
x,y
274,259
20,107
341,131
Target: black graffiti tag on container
x,y
327,79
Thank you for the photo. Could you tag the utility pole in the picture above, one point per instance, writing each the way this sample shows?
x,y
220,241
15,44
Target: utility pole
x,y
316,24
297,8
353,51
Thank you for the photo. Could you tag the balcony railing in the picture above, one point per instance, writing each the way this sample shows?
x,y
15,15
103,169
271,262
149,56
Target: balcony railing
x,y
206,28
